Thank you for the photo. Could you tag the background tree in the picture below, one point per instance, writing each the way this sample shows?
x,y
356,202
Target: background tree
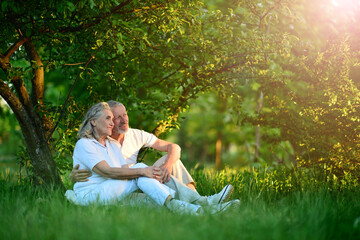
x,y
310,91
314,96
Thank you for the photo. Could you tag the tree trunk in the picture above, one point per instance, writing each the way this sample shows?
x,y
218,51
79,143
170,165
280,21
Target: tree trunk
x,y
220,122
218,150
257,130
24,108
40,154
34,136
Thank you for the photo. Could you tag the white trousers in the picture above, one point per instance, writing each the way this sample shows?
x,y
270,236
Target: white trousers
x,y
112,190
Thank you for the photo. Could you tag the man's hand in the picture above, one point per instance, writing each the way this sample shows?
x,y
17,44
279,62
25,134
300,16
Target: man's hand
x,y
153,172
166,169
173,154
81,175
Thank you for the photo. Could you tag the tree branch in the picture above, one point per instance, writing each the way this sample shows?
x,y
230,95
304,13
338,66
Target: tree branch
x,y
166,77
121,5
5,59
73,64
22,92
68,96
12,100
98,19
94,22
37,93
4,62
15,47
266,13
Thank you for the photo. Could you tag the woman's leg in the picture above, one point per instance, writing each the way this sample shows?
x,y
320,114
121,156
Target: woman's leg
x,y
181,191
153,188
164,195
111,191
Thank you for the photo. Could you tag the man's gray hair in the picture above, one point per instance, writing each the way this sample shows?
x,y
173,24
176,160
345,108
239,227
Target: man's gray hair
x,y
113,104
86,130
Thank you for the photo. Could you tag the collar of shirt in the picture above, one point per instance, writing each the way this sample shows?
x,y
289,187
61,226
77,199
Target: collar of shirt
x,y
97,142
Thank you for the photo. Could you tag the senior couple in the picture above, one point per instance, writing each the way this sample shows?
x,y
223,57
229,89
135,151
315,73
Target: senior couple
x,y
106,169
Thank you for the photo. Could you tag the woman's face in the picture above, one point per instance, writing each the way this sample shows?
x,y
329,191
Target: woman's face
x,y
104,124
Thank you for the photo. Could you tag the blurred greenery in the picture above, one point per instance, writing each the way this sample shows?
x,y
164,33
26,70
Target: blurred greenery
x,y
10,134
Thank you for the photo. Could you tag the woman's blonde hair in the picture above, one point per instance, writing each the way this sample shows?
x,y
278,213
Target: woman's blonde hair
x,y
86,129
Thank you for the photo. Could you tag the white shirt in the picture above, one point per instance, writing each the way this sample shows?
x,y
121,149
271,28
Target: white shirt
x,y
134,140
89,152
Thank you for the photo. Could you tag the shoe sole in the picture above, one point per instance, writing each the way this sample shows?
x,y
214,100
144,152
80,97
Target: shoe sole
x,y
227,194
230,205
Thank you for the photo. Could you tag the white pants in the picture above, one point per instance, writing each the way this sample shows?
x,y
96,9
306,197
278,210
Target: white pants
x,y
112,191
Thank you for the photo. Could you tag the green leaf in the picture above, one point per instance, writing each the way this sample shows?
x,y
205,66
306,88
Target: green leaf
x,y
92,4
4,6
71,6
99,42
255,86
120,48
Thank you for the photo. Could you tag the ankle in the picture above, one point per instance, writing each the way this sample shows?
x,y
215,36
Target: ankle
x,y
168,199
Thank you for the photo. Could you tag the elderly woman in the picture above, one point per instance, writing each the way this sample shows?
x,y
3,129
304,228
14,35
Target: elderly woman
x,y
112,179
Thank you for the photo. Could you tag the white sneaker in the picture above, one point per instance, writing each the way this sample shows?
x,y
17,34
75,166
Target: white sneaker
x,y
222,196
219,208
182,207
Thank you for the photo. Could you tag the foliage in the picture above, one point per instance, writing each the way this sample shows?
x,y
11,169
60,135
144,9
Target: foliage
x,y
201,125
10,135
112,47
273,183
315,104
310,87
157,57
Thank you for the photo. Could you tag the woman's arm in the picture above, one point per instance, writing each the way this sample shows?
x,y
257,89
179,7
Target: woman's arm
x,y
103,169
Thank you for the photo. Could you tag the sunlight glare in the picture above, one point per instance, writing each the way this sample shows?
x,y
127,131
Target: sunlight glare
x,y
345,4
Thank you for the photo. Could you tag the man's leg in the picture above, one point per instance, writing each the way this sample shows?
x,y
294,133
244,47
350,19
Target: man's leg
x,y
187,195
178,190
183,192
179,172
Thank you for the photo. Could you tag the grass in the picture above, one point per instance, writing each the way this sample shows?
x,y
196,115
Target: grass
x,y
276,204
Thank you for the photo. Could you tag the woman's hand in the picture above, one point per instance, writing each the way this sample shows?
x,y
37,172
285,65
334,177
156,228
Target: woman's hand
x,y
152,172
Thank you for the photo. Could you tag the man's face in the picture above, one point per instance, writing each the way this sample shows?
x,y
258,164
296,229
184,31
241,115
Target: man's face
x,y
121,119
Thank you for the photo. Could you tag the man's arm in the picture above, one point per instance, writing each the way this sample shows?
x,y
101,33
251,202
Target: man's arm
x,y
173,154
81,175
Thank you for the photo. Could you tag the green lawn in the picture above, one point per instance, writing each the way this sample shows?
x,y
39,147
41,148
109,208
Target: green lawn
x,y
269,210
